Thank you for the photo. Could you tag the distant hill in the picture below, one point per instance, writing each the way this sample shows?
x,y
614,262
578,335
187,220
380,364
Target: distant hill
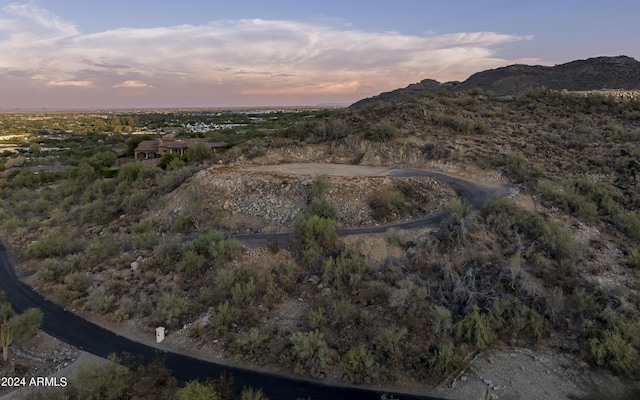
x,y
619,72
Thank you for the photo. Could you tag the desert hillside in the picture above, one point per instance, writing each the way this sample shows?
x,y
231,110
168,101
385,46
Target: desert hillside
x,y
553,266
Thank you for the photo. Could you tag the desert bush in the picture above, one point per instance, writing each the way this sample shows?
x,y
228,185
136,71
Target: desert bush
x,y
389,343
386,202
441,321
222,317
249,393
78,282
192,263
631,225
558,241
320,186
583,303
244,292
323,208
274,294
143,235
195,390
213,244
616,353
252,343
475,328
358,365
100,249
198,153
444,360
310,351
633,259
282,269
51,270
126,309
102,380
172,308
317,233
341,312
516,166
460,222
50,245
512,316
137,172
344,270
26,324
100,302
317,318
381,132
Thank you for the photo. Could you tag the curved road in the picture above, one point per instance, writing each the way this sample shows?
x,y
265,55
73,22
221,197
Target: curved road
x,y
75,330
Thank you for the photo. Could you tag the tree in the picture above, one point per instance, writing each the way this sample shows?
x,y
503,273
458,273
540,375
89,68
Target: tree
x,y
26,324
35,149
200,391
198,153
249,393
103,380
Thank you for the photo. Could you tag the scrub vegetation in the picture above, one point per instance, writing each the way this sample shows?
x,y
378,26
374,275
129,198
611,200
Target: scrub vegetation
x,y
534,270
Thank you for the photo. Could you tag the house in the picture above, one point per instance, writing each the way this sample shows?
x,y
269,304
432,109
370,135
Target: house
x,y
150,149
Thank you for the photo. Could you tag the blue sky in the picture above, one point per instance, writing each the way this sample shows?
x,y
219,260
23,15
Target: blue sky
x,y
188,53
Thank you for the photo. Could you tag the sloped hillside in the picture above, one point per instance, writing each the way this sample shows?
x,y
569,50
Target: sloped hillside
x,y
514,80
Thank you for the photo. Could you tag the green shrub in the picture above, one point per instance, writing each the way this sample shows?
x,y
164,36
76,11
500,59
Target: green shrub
x,y
50,245
198,153
310,351
101,302
512,316
320,186
516,165
444,360
558,241
317,233
382,132
252,342
389,343
616,353
192,263
137,172
172,308
244,292
475,328
249,393
102,380
195,390
631,224
342,312
441,321
222,317
317,318
323,208
386,202
358,365
344,270
26,324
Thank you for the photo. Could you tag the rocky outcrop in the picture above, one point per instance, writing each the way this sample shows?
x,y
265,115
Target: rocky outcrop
x,y
597,73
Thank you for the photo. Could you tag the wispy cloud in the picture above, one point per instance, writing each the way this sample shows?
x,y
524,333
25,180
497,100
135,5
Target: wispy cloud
x,y
234,58
132,84
69,83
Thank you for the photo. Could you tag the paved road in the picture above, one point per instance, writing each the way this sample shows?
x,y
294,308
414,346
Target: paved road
x,y
475,193
77,331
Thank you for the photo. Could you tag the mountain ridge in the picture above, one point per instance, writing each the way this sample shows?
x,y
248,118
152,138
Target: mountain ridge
x,y
596,73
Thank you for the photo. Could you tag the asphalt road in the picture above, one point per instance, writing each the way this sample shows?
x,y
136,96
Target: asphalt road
x,y
75,330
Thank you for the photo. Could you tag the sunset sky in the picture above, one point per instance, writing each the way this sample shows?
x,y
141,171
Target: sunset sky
x,y
149,54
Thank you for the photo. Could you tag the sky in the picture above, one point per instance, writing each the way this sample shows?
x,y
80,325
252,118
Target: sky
x,y
67,54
